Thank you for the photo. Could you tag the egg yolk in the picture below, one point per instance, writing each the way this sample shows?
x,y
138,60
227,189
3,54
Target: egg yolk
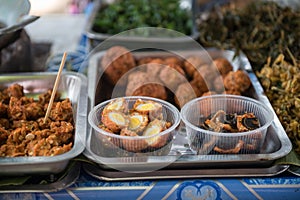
x,y
146,106
134,122
117,118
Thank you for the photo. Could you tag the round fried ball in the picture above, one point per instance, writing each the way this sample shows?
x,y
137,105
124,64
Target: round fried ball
x,y
116,62
223,65
237,81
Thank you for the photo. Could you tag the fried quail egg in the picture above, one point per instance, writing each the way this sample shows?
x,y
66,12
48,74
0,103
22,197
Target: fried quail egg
x,y
154,128
115,120
153,109
118,104
137,122
131,144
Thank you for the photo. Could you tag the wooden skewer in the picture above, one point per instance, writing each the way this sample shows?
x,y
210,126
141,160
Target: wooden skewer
x,y
62,64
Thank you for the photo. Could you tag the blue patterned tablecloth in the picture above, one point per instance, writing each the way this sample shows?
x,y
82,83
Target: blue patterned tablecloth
x,y
87,187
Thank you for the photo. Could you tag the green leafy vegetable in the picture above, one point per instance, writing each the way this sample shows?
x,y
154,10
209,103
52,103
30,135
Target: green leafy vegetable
x,y
124,15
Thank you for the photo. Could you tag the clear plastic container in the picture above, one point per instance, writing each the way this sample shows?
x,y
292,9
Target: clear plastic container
x,y
114,145
203,141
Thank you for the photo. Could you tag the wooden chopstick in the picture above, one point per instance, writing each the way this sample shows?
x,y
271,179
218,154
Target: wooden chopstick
x,y
62,64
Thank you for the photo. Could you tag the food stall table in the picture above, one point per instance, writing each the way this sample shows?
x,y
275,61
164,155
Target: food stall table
x,y
283,186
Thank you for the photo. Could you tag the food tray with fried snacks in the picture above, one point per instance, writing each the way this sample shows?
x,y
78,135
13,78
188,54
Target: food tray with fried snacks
x,y
72,86
276,144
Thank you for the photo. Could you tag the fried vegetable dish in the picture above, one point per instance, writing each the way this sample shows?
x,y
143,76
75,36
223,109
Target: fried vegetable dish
x,y
261,29
22,128
145,118
122,15
281,82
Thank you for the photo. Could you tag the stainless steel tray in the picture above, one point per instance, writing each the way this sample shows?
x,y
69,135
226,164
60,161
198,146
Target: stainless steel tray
x,y
276,145
61,182
107,40
114,175
73,86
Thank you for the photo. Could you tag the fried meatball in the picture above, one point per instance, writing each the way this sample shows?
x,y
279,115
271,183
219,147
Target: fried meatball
x,y
184,93
209,93
153,70
135,80
173,60
116,62
157,61
172,75
222,65
233,92
143,61
191,64
199,82
152,90
237,81
218,84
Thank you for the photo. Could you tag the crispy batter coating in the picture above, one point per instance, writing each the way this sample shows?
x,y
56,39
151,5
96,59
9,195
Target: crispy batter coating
x,y
114,120
15,90
155,127
237,81
150,108
132,145
23,132
116,62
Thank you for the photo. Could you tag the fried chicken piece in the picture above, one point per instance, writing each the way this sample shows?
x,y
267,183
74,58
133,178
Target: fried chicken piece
x,y
4,123
116,62
15,90
45,97
3,109
237,81
222,65
15,109
61,111
199,82
172,75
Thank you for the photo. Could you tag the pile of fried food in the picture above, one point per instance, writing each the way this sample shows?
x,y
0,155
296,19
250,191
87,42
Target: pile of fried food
x,y
281,82
223,122
145,118
171,78
22,128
